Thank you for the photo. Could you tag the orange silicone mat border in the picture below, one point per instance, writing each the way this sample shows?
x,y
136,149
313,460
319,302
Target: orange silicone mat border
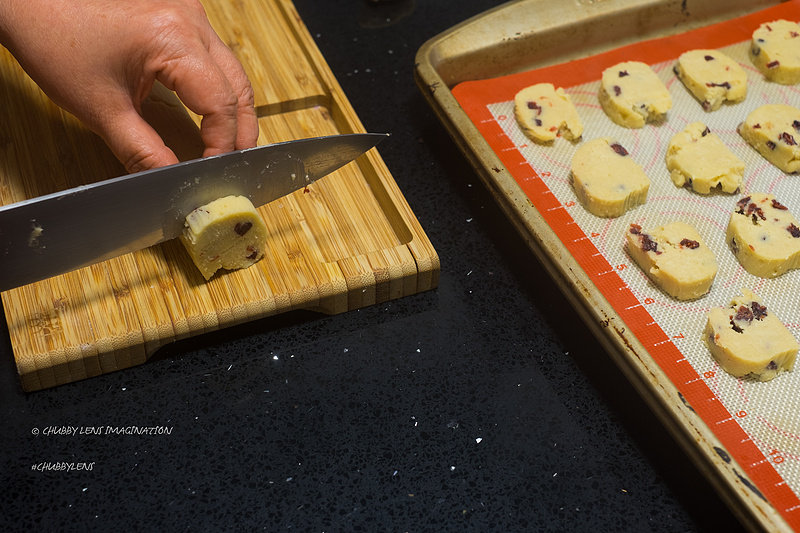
x,y
475,97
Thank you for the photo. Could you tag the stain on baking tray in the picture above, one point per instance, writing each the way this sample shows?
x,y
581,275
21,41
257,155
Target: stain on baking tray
x,y
722,454
749,484
685,402
433,86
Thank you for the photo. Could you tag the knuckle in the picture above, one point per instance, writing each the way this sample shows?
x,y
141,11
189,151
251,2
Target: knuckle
x,y
171,19
246,96
141,159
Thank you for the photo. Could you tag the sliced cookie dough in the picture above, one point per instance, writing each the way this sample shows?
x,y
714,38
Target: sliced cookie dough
x,y
698,159
227,233
712,77
544,113
774,131
764,236
675,257
748,340
606,179
775,51
631,94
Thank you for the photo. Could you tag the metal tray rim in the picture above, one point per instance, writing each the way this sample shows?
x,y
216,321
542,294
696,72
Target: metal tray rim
x,y
689,430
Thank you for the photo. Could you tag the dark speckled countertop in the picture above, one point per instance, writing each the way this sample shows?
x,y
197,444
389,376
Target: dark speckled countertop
x,y
480,406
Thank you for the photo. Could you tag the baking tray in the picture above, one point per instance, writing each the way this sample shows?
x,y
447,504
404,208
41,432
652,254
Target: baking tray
x,y
742,440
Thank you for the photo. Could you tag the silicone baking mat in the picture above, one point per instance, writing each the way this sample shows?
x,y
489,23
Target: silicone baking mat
x,y
758,423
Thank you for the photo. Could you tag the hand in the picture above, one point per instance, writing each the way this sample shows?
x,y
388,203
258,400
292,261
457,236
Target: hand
x,y
99,60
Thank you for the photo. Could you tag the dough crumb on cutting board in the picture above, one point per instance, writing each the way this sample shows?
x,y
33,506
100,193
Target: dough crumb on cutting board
x,y
227,233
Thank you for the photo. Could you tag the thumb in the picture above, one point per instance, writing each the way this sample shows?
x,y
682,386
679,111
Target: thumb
x,y
134,142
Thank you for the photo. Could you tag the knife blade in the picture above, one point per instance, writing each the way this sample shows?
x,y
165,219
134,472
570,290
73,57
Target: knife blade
x,y
63,231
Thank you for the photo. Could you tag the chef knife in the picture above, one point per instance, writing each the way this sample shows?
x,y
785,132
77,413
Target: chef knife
x,y
63,231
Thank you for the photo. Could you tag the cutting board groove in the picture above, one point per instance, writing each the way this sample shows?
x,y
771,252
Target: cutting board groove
x,y
348,241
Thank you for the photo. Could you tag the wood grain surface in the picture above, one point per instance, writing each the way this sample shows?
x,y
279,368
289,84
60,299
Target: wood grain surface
x,y
348,241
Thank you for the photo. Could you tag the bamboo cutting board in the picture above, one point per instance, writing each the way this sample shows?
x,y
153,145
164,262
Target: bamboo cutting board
x,y
347,241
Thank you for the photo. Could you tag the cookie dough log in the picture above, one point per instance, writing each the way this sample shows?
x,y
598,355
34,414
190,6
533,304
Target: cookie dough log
x,y
774,131
227,233
764,236
544,112
748,340
675,257
698,159
775,51
606,179
631,94
712,77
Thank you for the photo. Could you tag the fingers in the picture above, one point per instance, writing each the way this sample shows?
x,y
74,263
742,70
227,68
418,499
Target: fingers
x,y
114,52
134,142
213,84
246,119
209,80
218,90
